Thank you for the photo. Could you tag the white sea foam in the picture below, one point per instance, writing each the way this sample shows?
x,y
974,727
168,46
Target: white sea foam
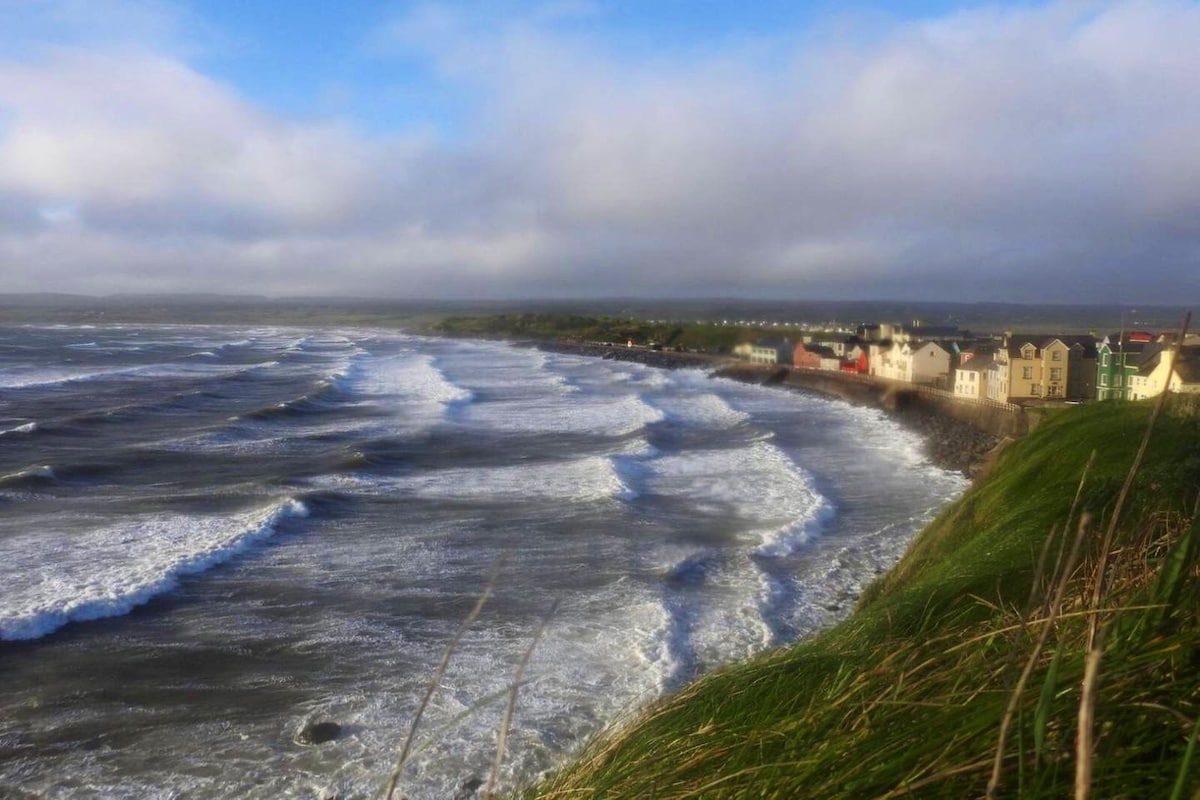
x,y
600,416
43,472
704,410
759,484
410,386
580,480
51,578
411,376
54,376
28,427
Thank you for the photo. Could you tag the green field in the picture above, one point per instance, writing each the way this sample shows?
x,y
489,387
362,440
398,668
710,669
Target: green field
x,y
984,624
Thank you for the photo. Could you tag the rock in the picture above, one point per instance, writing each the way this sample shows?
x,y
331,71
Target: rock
x,y
318,732
468,788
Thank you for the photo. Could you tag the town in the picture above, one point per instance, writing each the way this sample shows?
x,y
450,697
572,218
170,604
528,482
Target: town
x,y
1019,369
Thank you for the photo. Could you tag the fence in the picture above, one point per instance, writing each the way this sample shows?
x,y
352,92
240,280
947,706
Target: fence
x,y
929,391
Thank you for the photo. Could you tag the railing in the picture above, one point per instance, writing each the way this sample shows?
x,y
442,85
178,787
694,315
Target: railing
x,y
929,391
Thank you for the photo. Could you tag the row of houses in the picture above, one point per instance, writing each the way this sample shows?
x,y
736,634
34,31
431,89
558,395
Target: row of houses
x,y
1012,368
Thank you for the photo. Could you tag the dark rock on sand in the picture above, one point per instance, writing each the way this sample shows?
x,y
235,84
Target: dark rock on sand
x,y
318,732
468,789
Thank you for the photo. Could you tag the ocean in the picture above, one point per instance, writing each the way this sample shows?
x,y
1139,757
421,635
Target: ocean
x,y
211,536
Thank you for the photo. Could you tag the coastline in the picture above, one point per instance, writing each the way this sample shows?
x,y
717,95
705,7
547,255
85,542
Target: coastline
x,y
966,444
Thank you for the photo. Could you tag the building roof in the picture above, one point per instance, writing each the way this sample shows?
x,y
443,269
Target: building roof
x,y
1042,340
1188,365
977,364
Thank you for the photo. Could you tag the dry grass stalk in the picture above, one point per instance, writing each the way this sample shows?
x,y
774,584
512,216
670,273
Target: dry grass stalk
x,y
1019,690
440,673
510,709
1084,747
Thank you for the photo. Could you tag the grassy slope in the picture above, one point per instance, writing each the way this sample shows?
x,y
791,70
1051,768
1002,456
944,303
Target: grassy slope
x,y
905,698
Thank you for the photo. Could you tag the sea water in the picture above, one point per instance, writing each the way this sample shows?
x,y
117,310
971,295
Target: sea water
x,y
210,536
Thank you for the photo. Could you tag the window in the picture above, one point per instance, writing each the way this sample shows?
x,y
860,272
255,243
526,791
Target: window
x,y
1056,373
1027,373
1056,355
1104,379
1104,360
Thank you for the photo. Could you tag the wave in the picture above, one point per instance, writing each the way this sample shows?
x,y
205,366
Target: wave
x,y
45,377
410,376
598,416
758,484
110,571
701,410
582,480
36,475
28,427
296,407
341,376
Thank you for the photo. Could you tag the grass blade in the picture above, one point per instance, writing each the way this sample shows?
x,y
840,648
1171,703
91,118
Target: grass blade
x,y
506,723
440,673
1185,769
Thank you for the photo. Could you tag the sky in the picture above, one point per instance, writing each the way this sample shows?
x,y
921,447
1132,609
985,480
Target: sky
x,y
1044,152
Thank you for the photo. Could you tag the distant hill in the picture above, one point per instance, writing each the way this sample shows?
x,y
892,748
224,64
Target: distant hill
x,y
217,308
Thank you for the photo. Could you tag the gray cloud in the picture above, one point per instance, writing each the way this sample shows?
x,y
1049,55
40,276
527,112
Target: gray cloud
x,y
1012,154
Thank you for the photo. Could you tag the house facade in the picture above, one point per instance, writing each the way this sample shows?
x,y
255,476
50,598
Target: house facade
x,y
813,356
1043,368
1159,372
1118,360
970,379
771,351
911,362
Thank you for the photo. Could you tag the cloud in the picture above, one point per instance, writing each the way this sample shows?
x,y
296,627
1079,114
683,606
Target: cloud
x,y
1013,153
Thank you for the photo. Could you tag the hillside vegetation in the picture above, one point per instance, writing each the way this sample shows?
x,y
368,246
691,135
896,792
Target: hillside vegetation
x,y
980,634
570,327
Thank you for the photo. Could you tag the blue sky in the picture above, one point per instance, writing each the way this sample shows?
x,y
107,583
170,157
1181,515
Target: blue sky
x,y
973,151
312,59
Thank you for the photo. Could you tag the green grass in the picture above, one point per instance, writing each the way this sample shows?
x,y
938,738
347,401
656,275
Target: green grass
x,y
906,697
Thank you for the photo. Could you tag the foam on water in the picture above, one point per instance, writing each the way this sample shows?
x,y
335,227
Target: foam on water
x,y
410,376
705,410
58,376
592,415
671,553
758,483
52,578
580,480
28,427
43,472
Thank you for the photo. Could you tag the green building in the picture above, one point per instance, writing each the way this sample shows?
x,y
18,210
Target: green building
x,y
1117,361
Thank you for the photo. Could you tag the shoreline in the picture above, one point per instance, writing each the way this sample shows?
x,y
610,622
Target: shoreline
x,y
966,444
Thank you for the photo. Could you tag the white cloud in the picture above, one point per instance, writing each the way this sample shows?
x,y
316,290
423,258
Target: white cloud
x,y
1043,153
